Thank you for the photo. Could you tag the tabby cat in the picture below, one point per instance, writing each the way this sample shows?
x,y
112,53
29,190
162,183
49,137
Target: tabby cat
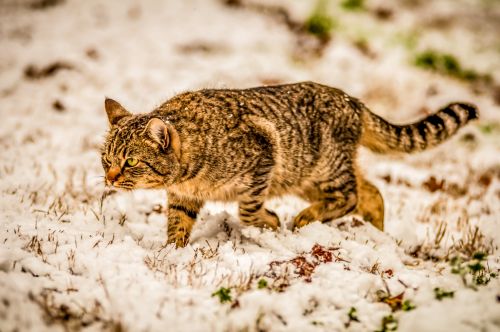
x,y
253,144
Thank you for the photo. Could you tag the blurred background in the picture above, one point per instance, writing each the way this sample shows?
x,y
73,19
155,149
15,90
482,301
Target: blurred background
x,y
395,55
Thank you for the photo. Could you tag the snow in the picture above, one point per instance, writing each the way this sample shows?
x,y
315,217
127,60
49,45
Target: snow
x,y
76,256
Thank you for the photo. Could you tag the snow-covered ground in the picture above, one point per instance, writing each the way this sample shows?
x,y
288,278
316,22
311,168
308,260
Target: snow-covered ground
x,y
73,257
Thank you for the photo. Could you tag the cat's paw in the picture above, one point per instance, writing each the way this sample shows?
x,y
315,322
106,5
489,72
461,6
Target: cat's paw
x,y
268,219
272,220
303,218
180,239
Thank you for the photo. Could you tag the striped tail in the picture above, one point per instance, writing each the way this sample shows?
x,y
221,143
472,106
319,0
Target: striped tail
x,y
382,136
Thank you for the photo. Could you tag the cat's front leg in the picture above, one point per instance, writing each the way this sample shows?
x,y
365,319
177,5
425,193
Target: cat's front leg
x,y
252,213
251,199
181,214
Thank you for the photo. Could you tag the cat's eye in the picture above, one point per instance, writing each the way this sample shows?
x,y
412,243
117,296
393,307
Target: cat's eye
x,y
131,162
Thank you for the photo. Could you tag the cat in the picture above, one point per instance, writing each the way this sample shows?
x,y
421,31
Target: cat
x,y
253,144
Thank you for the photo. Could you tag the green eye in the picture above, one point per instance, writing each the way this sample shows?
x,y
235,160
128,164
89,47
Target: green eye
x,y
131,162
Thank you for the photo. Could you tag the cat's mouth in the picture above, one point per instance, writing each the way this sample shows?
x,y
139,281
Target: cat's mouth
x,y
114,179
123,185
129,185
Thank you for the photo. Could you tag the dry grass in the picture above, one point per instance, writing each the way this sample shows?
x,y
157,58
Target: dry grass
x,y
74,317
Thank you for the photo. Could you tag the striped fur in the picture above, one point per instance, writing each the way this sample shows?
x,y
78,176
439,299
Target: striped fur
x,y
253,144
381,136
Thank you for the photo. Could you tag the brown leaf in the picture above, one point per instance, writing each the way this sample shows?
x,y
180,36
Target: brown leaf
x,y
33,72
433,185
394,302
322,255
389,273
387,178
304,268
58,106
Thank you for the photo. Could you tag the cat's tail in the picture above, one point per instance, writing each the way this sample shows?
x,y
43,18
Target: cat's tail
x,y
381,136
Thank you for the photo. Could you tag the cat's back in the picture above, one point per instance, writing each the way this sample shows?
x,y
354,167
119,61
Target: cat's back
x,y
228,129
285,105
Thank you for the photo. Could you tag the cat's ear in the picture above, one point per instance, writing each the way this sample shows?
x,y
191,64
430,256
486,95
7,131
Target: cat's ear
x,y
165,135
115,111
158,131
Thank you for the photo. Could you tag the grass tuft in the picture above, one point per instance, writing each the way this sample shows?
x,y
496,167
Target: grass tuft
x,y
389,323
262,283
440,293
490,128
407,306
353,314
447,64
353,4
224,294
473,272
319,23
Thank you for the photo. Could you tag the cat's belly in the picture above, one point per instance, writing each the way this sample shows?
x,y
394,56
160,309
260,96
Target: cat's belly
x,y
205,191
282,182
306,189
280,187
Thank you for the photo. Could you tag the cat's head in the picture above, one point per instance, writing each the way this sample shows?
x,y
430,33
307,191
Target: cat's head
x,y
140,150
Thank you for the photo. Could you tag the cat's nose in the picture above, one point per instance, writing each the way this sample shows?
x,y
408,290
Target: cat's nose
x,y
112,174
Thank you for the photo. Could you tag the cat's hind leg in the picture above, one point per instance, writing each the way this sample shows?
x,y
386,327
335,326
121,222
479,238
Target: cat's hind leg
x,y
182,213
335,194
370,203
